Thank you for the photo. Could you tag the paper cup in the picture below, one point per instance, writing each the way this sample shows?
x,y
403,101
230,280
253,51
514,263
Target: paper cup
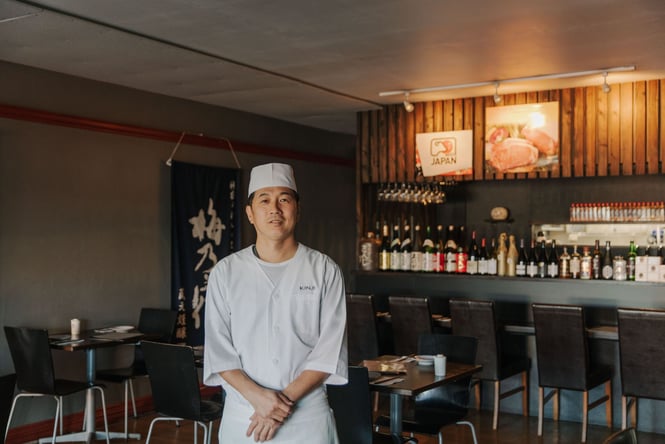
x,y
440,365
76,328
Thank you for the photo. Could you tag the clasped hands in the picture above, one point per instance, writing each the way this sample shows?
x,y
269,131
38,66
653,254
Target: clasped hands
x,y
271,409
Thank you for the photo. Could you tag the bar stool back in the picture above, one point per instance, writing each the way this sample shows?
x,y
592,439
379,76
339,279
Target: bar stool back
x,y
478,319
362,332
411,317
641,349
563,361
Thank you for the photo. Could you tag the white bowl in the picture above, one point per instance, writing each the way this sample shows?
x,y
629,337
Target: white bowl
x,y
425,359
123,328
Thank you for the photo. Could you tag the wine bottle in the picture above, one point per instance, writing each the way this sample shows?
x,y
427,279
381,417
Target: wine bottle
x,y
501,254
575,263
462,255
428,251
416,252
395,254
586,264
522,259
564,264
450,250
553,265
511,257
440,256
607,271
492,259
532,263
482,258
596,260
384,254
472,263
405,249
631,261
541,259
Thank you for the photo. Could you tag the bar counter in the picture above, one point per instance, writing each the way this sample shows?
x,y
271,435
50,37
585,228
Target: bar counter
x,y
513,297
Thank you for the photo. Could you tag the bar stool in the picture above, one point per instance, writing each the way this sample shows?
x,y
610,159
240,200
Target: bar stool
x,y
641,349
411,317
563,361
478,319
362,331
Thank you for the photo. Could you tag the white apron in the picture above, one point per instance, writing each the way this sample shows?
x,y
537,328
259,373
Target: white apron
x,y
311,422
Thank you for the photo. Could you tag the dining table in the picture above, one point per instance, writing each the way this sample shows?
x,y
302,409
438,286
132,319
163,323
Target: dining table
x,y
89,341
402,377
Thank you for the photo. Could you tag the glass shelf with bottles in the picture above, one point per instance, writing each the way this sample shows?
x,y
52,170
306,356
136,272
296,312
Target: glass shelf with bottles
x,y
645,235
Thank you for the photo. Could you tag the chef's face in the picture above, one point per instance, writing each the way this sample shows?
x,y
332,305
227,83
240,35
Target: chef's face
x,y
274,212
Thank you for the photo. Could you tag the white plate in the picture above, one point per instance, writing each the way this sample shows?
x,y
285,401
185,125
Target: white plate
x,y
425,359
123,328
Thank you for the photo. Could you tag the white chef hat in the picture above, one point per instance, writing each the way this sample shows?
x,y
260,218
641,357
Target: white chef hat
x,y
271,175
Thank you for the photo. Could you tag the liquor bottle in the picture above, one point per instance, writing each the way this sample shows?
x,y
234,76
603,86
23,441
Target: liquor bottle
x,y
405,249
384,253
575,263
553,264
369,247
511,257
440,256
631,261
395,254
462,255
607,270
501,254
450,250
532,263
596,261
492,260
564,264
522,259
542,259
482,258
586,264
416,252
428,251
472,263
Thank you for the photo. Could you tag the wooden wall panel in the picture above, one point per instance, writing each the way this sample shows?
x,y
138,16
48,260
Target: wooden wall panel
x,y
618,133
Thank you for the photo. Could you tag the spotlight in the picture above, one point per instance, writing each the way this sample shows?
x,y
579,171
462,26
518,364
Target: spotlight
x,y
408,106
606,87
497,97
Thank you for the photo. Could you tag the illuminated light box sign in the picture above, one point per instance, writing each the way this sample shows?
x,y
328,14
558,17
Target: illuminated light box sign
x,y
445,153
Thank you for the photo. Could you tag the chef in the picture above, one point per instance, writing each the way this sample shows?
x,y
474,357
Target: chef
x,y
275,324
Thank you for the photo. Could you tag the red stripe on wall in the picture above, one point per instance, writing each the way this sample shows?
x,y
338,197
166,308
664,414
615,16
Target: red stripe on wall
x,y
49,118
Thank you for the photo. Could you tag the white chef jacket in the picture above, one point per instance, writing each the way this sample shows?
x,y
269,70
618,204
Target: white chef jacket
x,y
271,332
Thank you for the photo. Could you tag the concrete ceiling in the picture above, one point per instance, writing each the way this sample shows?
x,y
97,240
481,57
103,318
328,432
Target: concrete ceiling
x,y
317,63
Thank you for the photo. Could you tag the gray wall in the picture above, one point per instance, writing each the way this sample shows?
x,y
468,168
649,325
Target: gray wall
x,y
85,216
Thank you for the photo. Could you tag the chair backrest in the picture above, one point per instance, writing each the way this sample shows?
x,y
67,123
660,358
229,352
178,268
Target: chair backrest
x,y
477,319
641,350
627,436
361,327
33,363
561,346
173,379
7,385
158,323
411,317
352,406
460,349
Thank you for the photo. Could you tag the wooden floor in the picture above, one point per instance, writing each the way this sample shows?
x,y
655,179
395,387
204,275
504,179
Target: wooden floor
x,y
512,429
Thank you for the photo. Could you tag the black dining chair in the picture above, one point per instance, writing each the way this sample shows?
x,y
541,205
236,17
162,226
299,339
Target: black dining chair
x,y
352,408
562,351
361,327
157,324
641,350
446,405
35,376
626,436
411,317
175,388
477,319
7,387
